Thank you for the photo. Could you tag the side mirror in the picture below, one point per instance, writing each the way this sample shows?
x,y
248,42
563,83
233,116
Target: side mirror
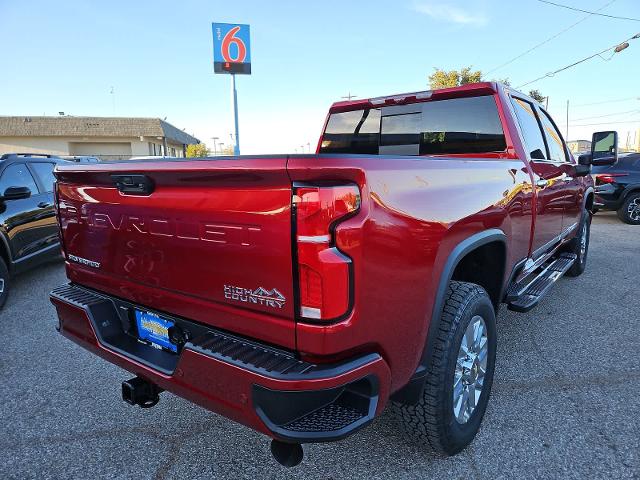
x,y
16,193
604,148
582,170
584,159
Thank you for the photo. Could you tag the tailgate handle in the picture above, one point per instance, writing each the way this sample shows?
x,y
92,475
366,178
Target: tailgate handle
x,y
134,184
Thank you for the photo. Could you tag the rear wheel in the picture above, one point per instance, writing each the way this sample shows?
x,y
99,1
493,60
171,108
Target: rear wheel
x,y
457,387
630,210
4,282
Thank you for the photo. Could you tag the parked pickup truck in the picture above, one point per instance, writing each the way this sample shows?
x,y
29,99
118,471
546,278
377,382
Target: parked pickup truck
x,y
300,294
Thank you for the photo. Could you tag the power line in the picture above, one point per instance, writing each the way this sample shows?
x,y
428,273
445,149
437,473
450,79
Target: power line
x,y
509,62
618,47
606,101
587,11
635,110
634,120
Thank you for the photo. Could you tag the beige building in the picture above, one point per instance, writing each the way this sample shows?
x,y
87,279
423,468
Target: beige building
x,y
109,138
579,145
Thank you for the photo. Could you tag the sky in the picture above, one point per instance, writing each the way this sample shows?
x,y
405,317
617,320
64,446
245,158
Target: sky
x,y
67,55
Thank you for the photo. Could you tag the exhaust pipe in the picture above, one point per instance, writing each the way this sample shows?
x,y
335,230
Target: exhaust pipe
x,y
139,391
287,454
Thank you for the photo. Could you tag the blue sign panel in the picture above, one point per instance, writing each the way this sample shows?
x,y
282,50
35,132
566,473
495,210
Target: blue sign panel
x,y
231,48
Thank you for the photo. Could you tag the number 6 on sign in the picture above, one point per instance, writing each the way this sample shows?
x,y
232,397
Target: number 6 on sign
x,y
231,48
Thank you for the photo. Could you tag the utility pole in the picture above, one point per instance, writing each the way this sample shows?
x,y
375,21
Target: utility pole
x,y
567,133
113,99
349,96
215,152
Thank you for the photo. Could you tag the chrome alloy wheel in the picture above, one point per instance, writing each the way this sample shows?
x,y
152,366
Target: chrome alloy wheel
x,y
471,367
634,209
583,241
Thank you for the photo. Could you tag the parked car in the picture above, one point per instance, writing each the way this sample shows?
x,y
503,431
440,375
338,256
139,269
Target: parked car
x,y
618,187
28,227
81,158
300,294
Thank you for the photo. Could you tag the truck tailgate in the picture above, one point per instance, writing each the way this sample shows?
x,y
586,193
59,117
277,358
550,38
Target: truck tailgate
x,y
211,242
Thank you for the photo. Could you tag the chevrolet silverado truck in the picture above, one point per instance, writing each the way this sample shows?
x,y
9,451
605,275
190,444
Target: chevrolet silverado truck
x,y
302,294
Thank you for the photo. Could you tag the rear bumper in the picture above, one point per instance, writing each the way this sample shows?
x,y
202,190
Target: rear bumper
x,y
265,388
607,197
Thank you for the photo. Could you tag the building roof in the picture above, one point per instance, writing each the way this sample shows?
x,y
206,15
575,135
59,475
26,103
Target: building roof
x,y
67,126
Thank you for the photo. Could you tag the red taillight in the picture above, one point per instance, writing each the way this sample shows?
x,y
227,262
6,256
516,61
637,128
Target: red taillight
x,y
323,271
608,177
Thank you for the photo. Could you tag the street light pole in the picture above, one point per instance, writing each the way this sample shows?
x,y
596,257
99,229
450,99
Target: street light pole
x,y
215,152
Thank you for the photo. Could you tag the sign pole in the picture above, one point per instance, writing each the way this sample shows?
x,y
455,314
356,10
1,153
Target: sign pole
x,y
236,146
232,55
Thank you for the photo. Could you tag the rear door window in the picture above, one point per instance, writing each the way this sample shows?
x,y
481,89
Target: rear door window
x,y
453,126
557,150
530,128
17,175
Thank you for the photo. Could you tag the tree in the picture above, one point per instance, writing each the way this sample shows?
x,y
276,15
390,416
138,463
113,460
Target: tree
x,y
226,150
537,96
453,78
197,150
504,81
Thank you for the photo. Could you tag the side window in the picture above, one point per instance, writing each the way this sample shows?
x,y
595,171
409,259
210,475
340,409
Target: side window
x,y
17,175
530,127
44,172
557,151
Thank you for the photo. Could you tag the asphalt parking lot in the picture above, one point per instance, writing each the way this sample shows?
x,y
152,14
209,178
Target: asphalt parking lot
x,y
565,403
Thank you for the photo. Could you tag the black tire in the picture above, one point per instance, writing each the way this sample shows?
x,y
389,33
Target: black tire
x,y
432,421
628,212
4,282
575,246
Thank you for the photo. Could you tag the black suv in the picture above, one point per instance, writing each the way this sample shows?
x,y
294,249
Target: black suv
x,y
618,187
28,228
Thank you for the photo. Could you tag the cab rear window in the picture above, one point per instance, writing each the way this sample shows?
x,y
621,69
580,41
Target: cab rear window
x,y
453,126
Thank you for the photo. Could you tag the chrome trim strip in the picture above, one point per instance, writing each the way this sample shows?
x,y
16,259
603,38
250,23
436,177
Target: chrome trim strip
x,y
314,238
568,230
309,312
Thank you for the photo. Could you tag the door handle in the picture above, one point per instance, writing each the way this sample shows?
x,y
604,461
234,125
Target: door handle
x,y
44,205
542,183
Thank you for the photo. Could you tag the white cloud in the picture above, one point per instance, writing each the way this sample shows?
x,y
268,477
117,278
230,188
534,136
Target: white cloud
x,y
451,13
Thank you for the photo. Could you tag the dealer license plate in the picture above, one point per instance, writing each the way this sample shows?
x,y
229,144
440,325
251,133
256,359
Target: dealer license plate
x,y
155,330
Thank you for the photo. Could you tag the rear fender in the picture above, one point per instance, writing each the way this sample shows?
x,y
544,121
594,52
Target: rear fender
x,y
410,393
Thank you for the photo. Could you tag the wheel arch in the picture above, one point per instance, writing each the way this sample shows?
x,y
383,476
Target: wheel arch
x,y
589,199
5,252
630,190
410,393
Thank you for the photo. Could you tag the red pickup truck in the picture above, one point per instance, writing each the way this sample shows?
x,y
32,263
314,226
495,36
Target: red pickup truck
x,y
300,294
